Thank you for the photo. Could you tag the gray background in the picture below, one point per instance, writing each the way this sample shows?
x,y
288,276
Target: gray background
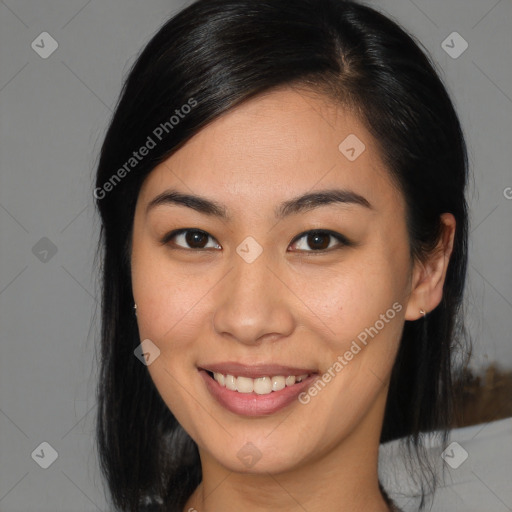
x,y
54,112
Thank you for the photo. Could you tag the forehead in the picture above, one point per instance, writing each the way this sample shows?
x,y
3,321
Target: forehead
x,y
273,146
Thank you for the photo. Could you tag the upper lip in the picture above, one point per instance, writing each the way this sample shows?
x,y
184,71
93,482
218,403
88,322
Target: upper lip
x,y
255,371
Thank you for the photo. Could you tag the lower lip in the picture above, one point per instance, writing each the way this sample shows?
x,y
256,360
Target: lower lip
x,y
252,404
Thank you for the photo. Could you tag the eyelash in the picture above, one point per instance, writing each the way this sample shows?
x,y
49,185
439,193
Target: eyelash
x,y
343,241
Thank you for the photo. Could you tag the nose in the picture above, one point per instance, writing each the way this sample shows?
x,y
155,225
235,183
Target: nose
x,y
254,303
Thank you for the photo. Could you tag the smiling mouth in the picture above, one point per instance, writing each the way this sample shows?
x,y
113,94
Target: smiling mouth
x,y
261,386
259,390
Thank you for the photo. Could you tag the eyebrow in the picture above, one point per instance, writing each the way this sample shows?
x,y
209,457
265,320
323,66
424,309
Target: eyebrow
x,y
300,204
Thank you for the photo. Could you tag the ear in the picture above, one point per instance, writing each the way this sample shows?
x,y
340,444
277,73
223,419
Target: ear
x,y
429,276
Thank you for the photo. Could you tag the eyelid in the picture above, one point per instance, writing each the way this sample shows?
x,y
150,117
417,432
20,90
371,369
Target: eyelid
x,y
175,232
342,240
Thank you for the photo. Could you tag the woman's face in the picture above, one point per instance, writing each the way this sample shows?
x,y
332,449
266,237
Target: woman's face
x,y
251,294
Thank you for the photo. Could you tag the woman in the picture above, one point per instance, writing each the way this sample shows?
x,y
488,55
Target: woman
x,y
284,236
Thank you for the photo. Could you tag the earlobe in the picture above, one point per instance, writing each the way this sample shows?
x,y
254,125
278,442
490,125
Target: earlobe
x,y
430,275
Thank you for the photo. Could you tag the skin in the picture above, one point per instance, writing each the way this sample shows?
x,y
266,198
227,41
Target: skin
x,y
290,306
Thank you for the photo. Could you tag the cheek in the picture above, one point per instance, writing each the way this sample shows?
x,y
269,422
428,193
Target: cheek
x,y
365,315
347,300
171,313
362,303
168,294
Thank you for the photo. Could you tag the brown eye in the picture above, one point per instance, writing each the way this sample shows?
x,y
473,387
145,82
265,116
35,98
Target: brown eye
x,y
196,239
189,239
318,241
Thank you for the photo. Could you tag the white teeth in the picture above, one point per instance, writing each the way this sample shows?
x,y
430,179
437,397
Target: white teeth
x,y
260,386
278,383
219,378
290,380
244,385
230,382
